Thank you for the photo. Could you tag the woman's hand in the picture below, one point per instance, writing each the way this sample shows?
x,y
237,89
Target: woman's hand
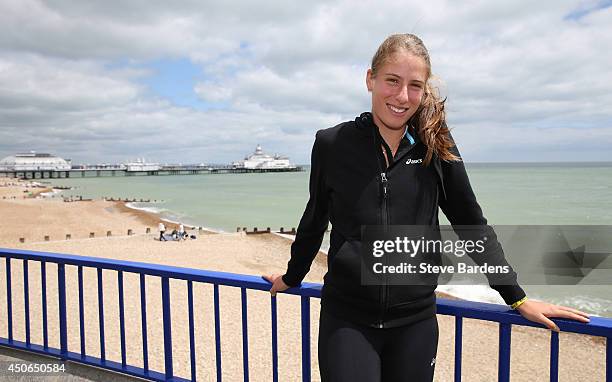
x,y
538,311
278,285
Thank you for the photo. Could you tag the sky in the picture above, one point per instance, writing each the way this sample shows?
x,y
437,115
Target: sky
x,y
206,81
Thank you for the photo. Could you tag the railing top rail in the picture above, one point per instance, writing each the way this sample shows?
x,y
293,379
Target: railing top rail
x,y
599,326
199,275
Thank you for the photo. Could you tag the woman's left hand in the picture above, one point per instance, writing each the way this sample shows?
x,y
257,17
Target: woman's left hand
x,y
539,311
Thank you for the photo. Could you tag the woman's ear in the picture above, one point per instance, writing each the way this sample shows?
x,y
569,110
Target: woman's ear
x,y
369,80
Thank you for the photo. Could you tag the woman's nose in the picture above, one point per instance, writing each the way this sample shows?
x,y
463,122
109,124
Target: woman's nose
x,y
402,95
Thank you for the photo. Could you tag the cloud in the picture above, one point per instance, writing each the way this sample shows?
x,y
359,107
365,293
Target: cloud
x,y
74,76
47,84
328,89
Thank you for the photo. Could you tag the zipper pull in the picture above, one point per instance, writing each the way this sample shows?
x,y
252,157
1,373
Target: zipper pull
x,y
383,178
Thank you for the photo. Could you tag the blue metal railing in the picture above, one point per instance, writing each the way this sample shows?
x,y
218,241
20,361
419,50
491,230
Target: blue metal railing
x,y
459,309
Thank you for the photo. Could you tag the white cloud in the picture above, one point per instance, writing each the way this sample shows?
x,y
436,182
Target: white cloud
x,y
29,81
329,89
212,92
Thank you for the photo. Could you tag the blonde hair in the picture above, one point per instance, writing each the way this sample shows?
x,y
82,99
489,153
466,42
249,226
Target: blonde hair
x,y
430,119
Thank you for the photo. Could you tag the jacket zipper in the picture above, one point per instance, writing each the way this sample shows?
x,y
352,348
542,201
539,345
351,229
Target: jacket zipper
x,y
385,221
384,170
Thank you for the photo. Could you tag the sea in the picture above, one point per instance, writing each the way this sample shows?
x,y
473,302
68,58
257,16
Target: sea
x,y
509,194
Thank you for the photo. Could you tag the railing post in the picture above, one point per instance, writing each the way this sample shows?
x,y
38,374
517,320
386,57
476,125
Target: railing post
x,y
9,303
61,288
245,335
554,356
274,340
143,318
167,327
101,316
609,359
217,331
458,346
305,339
121,318
43,283
81,311
192,357
26,301
503,371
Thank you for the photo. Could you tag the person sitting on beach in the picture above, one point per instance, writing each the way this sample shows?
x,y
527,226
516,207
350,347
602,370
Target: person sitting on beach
x,y
162,230
181,232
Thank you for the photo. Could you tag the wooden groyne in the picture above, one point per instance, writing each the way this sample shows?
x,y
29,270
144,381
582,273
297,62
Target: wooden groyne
x,y
127,200
109,233
255,230
92,235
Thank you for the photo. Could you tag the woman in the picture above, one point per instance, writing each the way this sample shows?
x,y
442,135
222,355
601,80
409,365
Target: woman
x,y
395,165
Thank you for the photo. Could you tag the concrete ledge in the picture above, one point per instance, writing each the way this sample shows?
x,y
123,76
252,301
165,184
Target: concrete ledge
x,y
75,372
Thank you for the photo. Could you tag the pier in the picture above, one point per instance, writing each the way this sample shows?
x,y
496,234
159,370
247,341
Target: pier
x,y
97,172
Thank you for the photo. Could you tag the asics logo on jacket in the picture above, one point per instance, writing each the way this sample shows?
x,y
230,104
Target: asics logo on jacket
x,y
414,161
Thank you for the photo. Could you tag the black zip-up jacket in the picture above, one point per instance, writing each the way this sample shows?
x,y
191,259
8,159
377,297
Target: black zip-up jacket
x,y
351,186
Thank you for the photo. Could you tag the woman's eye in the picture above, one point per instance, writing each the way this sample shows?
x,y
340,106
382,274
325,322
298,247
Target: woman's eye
x,y
392,81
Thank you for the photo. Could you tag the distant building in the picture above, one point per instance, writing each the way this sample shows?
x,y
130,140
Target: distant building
x,y
259,160
34,161
141,165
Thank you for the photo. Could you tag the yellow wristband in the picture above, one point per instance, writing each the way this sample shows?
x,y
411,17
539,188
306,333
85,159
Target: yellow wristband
x,y
519,303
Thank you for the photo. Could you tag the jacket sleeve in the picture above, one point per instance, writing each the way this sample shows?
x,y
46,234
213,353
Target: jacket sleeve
x,y
314,221
459,204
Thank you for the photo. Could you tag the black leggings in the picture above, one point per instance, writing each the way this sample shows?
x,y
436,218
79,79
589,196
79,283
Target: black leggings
x,y
354,353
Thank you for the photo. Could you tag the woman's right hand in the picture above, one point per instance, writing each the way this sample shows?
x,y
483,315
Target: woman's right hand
x,y
278,285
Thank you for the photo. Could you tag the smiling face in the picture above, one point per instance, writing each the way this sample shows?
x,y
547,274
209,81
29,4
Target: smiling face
x,y
397,89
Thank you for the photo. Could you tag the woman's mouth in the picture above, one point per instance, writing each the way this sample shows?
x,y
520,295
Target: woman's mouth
x,y
399,111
